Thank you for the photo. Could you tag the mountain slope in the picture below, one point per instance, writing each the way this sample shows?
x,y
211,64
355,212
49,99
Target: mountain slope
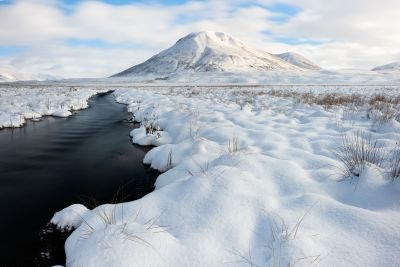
x,y
8,74
395,66
208,52
298,60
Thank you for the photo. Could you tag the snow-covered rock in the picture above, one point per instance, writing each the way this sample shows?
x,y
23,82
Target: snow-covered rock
x,y
394,66
208,52
298,60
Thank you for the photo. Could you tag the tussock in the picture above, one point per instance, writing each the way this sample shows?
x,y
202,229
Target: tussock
x,y
357,150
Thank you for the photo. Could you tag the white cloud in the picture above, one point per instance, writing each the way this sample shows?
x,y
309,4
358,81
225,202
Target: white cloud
x,y
359,33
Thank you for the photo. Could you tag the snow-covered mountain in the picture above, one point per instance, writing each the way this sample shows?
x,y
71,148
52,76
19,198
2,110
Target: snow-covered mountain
x,y
210,52
395,66
7,77
298,60
8,74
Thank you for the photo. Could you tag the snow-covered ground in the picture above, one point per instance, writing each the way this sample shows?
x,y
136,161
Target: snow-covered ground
x,y
250,179
287,77
19,103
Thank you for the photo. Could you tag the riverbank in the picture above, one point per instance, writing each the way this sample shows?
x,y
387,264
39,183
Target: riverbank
x,y
19,104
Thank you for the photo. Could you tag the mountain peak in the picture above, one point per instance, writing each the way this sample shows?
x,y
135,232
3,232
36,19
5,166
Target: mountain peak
x,y
210,36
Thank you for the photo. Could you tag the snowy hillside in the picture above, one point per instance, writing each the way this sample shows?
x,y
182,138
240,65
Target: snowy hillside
x,y
298,60
395,66
208,51
8,74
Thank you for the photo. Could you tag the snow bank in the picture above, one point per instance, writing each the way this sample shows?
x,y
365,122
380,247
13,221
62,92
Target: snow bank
x,y
250,180
20,103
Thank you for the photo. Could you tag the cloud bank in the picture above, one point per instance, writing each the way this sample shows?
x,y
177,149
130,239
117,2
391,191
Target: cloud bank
x,y
99,38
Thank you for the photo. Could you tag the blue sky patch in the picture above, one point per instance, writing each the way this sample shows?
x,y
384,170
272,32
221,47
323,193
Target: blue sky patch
x,y
11,50
286,9
298,41
127,2
5,2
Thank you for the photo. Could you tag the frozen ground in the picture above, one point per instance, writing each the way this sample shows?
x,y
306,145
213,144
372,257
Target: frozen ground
x,y
251,179
20,103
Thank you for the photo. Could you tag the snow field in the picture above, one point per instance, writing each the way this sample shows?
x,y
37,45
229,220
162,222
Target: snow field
x,y
249,180
18,104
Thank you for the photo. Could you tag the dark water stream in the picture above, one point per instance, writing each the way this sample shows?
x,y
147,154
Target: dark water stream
x,y
48,165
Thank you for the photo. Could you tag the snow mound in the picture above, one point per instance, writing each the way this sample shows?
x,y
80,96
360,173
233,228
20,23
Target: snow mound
x,y
298,60
121,240
62,113
208,52
70,217
395,66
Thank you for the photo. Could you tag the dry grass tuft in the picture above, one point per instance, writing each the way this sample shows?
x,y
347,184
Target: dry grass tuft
x,y
356,151
281,233
394,166
233,145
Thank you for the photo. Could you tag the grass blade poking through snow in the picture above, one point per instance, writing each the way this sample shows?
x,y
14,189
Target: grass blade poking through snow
x,y
233,145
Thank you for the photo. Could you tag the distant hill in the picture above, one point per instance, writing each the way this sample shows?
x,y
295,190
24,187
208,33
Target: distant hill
x,y
394,66
298,60
8,74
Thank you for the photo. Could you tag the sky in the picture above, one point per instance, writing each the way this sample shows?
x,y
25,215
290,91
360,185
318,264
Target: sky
x,y
80,38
